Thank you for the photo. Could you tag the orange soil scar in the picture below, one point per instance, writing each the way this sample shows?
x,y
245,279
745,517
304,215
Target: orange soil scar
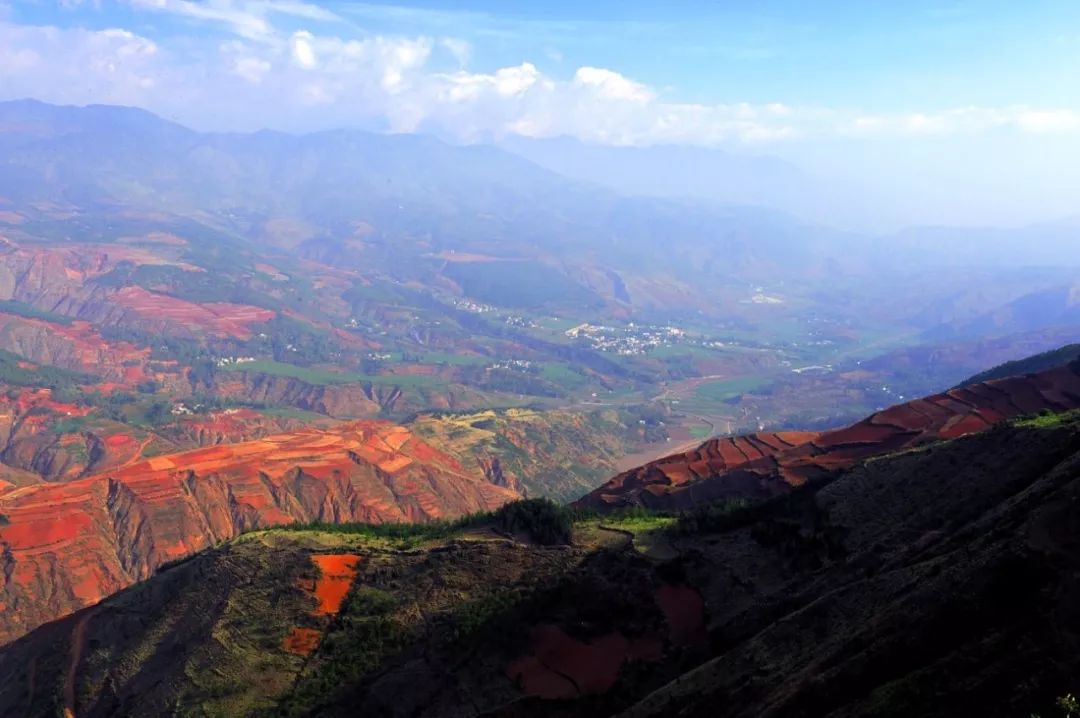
x,y
303,641
337,572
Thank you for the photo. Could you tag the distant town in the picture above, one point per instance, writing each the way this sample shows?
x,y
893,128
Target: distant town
x,y
635,339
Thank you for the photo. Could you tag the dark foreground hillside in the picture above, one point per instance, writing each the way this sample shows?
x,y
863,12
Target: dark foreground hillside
x,y
940,581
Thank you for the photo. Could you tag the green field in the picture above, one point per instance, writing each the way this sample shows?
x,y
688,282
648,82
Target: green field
x,y
290,412
720,391
564,376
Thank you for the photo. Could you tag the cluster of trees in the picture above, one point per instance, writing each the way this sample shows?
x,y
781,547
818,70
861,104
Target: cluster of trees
x,y
542,519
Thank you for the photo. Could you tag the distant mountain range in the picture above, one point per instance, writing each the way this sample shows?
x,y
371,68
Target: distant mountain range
x,y
425,196
675,172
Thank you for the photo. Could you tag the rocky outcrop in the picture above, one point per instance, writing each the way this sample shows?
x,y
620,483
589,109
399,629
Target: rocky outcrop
x,y
762,465
50,440
76,346
62,280
69,545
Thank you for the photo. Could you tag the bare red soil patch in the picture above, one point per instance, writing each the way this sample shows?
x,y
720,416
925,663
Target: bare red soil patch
x,y
302,641
76,346
220,318
337,571
336,574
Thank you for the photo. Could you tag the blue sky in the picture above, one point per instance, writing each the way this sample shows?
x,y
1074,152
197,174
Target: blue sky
x,y
914,55
847,88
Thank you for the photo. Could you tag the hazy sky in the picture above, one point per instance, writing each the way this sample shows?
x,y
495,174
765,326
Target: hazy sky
x,y
969,110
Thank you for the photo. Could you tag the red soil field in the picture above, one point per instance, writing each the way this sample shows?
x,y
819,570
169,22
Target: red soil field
x,y
68,545
76,346
220,318
302,641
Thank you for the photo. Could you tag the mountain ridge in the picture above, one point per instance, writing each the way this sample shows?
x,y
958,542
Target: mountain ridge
x,y
765,464
68,545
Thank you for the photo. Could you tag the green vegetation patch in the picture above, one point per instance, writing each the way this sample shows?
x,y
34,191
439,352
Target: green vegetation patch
x,y
290,412
1049,419
700,432
719,391
543,520
366,633
642,520
546,522
564,375
479,618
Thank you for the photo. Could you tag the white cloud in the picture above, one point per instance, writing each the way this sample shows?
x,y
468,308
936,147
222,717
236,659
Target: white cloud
x,y
79,66
302,51
1049,120
251,69
270,77
610,85
247,18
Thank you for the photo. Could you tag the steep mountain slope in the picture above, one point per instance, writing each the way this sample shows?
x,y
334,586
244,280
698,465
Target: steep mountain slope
x,y
65,546
395,203
1040,362
1054,307
939,581
762,465
674,171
